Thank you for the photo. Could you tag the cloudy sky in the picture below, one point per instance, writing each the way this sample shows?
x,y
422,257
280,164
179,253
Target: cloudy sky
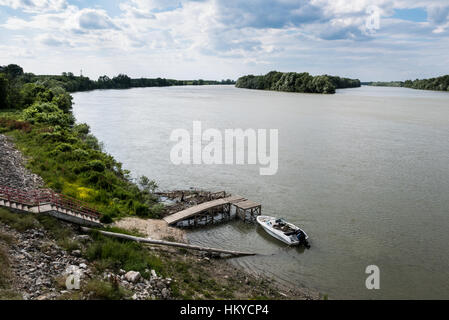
x,y
216,39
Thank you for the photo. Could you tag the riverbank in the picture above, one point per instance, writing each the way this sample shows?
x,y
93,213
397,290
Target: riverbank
x,y
40,252
64,156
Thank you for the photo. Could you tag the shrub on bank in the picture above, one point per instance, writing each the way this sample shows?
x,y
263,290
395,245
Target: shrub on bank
x,y
48,113
67,156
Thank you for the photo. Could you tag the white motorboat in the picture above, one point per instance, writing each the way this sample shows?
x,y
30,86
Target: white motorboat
x,y
284,231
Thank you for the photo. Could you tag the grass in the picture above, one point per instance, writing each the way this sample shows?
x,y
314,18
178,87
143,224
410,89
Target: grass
x,y
18,221
4,267
195,278
70,161
95,289
102,290
6,293
6,238
25,221
200,279
56,229
118,254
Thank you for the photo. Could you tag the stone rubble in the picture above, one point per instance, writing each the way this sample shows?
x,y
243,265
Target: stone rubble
x,y
41,267
37,262
12,162
155,287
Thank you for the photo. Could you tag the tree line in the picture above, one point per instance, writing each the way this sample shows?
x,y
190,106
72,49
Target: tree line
x,y
296,82
437,84
17,87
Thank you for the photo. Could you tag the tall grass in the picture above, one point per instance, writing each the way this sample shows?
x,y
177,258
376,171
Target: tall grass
x,y
18,221
121,254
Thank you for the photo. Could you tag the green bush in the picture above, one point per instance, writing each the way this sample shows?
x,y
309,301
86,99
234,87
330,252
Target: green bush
x,y
63,101
92,142
52,136
47,113
80,154
63,147
157,210
97,165
105,219
65,155
141,210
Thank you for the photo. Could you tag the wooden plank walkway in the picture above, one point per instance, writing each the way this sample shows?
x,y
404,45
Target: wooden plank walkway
x,y
192,211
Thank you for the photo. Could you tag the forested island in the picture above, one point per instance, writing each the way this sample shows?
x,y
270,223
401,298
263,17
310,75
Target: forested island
x,y
437,84
296,82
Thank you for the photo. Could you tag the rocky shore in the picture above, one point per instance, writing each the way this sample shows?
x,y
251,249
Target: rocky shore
x,y
40,269
40,265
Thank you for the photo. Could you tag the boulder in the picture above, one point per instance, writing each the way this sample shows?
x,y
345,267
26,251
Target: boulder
x,y
133,276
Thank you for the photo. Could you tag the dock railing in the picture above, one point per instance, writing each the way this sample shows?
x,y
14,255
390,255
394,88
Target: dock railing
x,y
38,197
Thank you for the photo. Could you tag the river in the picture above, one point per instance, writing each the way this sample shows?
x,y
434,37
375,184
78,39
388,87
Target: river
x,y
364,171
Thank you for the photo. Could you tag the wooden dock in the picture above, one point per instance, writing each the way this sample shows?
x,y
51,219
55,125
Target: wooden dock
x,y
206,210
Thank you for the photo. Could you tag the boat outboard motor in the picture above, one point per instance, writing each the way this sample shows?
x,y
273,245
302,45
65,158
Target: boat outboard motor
x,y
302,239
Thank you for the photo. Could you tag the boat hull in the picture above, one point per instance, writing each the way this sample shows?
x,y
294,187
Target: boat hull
x,y
266,222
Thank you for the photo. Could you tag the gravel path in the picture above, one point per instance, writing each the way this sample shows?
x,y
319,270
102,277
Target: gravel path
x,y
12,170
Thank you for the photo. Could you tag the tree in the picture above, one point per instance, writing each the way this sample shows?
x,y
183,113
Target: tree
x,y
63,101
4,84
296,82
122,81
13,70
148,185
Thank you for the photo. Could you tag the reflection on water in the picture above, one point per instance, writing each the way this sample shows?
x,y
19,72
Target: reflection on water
x,y
364,172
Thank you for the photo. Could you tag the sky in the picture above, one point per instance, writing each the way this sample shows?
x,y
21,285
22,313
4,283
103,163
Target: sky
x,y
376,40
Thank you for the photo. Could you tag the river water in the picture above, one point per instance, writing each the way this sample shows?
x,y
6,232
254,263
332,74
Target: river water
x,y
365,172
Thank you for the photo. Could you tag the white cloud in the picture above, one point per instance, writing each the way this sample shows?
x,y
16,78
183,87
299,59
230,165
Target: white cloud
x,y
94,19
35,6
218,38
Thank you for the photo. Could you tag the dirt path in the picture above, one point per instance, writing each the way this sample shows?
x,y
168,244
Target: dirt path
x,y
152,228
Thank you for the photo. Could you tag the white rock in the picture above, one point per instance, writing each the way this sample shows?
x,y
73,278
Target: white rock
x,y
82,237
153,273
83,266
72,269
133,276
75,270
76,253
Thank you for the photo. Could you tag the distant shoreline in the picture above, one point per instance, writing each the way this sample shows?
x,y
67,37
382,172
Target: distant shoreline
x,y
433,84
